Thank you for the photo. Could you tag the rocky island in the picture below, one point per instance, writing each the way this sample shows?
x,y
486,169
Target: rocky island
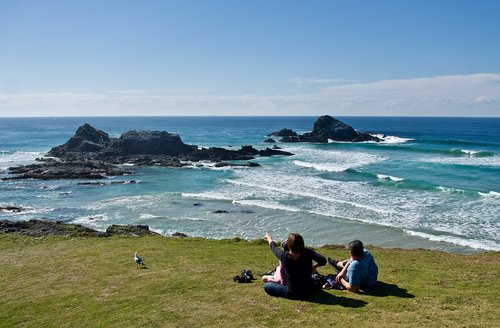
x,y
92,154
325,128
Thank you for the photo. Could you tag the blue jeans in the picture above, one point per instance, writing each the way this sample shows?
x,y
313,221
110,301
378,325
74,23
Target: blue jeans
x,y
277,289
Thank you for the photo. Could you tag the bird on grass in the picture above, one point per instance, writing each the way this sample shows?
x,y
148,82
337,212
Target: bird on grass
x,y
138,261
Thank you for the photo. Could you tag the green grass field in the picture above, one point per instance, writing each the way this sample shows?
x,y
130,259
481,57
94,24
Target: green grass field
x,y
93,282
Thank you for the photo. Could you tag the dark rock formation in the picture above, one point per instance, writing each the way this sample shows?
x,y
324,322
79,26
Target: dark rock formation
x,y
328,128
179,234
53,169
13,209
270,140
37,228
92,154
149,142
226,164
86,139
129,230
144,148
43,227
283,133
272,152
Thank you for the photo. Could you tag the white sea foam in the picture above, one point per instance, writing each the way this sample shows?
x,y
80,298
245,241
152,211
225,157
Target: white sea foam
x,y
265,204
349,218
158,231
389,177
301,188
493,161
450,190
391,139
185,218
127,202
39,210
470,152
328,167
477,244
331,160
490,195
208,166
209,196
95,221
146,216
8,159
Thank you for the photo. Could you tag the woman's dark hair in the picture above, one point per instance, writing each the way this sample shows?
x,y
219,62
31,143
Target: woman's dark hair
x,y
356,248
295,243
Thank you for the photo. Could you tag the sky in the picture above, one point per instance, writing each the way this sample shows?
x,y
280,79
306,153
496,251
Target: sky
x,y
259,57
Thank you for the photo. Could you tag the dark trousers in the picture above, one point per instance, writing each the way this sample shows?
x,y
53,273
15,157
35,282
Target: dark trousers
x,y
277,289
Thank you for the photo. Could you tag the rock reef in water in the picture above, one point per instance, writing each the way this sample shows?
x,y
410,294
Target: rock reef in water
x,y
92,154
11,209
326,128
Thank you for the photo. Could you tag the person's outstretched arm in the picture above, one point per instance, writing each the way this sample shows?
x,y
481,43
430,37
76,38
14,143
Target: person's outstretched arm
x,y
279,253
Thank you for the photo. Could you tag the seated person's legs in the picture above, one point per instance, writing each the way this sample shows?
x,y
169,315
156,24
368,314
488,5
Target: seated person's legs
x,y
276,289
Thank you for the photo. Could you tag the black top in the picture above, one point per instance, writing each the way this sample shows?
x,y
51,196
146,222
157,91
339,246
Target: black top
x,y
298,271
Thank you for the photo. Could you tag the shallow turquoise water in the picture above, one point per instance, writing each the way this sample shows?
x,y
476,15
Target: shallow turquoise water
x,y
434,183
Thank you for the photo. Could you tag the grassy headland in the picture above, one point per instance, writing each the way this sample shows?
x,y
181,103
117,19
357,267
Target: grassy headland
x,y
92,282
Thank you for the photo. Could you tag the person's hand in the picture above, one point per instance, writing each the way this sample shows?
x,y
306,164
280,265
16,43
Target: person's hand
x,y
338,278
268,238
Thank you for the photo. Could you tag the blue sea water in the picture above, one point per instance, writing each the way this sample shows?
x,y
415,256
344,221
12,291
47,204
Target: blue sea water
x,y
433,183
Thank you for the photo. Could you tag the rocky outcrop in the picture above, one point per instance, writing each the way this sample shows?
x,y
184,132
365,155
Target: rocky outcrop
x,y
327,128
92,154
148,148
37,228
11,209
54,169
129,230
228,164
87,139
149,142
43,227
283,133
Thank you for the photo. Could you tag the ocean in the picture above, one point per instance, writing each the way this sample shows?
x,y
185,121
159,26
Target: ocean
x,y
433,183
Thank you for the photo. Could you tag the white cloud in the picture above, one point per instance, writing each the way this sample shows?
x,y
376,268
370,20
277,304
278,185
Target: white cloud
x,y
454,95
299,80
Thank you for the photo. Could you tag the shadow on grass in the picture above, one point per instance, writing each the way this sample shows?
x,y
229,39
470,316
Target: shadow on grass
x,y
383,289
323,297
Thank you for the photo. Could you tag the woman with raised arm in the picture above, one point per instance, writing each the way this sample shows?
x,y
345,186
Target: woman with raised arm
x,y
298,263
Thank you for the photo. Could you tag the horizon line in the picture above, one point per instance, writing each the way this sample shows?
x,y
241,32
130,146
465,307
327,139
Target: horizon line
x,y
234,116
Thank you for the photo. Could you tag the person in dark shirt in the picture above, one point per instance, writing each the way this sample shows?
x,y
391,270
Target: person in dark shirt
x,y
298,263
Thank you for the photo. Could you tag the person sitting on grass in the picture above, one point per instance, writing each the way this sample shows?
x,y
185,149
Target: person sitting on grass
x,y
297,265
278,274
358,272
